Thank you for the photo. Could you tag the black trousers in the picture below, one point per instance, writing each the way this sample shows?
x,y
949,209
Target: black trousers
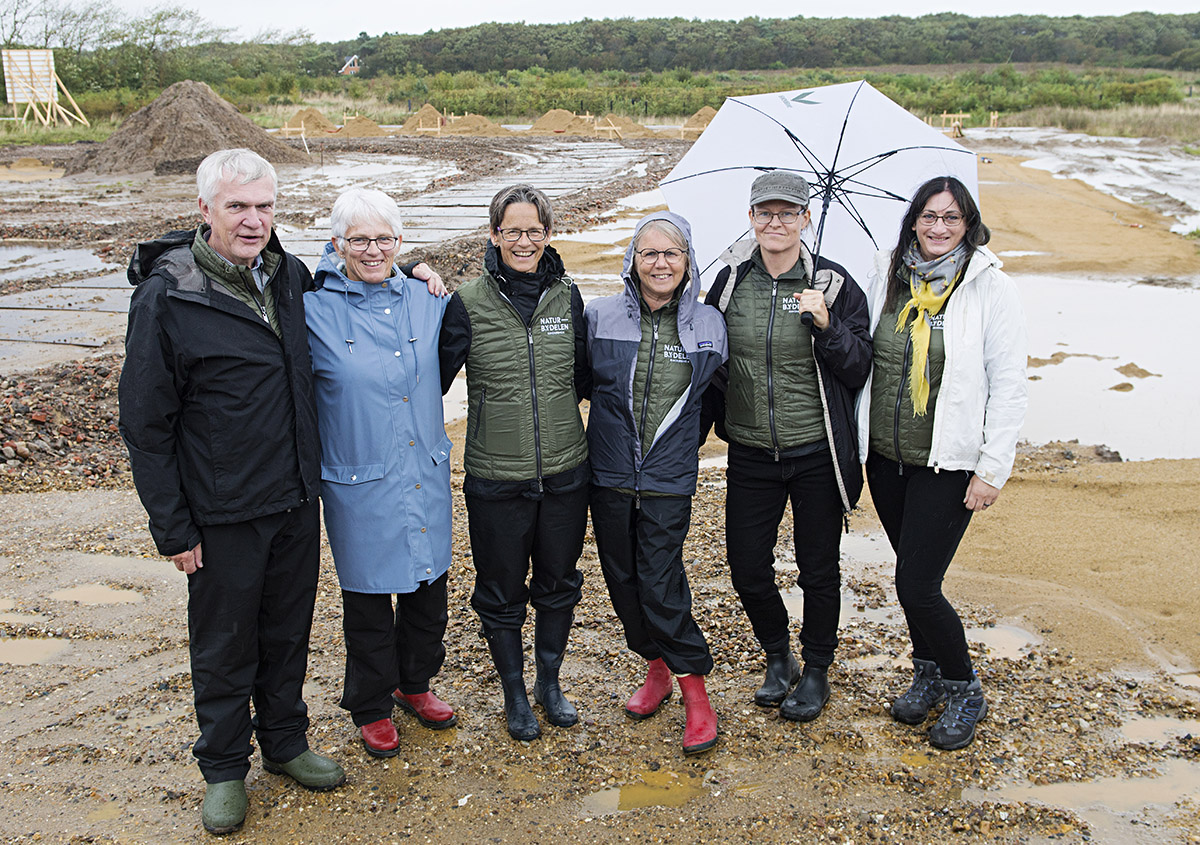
x,y
924,516
641,555
758,490
250,612
389,649
508,536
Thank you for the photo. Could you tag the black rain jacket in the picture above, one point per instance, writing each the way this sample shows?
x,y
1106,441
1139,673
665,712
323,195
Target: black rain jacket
x,y
217,411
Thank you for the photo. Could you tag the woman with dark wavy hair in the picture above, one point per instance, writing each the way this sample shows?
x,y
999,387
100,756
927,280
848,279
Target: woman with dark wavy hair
x,y
938,421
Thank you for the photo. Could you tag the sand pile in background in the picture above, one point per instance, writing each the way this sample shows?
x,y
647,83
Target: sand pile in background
x,y
175,132
698,122
562,122
312,121
426,117
474,124
361,127
626,126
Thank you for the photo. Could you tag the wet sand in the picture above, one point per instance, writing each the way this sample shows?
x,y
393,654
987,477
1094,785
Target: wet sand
x,y
1080,589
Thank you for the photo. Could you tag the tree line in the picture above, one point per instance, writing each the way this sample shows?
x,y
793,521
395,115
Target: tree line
x,y
1140,39
646,67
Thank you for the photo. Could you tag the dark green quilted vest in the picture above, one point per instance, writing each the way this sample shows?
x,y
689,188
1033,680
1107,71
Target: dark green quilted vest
x,y
523,416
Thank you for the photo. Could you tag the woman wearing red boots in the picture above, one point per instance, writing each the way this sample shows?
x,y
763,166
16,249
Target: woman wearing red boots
x,y
653,349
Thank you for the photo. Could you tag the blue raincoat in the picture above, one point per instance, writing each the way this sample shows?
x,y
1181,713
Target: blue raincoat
x,y
385,456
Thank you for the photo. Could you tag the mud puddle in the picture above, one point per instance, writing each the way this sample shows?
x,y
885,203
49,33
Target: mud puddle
x,y
97,594
660,788
27,261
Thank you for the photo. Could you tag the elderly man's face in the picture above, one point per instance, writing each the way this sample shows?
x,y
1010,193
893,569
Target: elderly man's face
x,y
240,217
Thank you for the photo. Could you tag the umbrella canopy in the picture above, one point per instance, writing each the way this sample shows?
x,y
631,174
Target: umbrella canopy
x,y
863,155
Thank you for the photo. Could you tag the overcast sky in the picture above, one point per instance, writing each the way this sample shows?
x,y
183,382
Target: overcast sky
x,y
345,19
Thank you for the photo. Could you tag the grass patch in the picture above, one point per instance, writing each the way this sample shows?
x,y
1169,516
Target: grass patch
x,y
1177,121
35,134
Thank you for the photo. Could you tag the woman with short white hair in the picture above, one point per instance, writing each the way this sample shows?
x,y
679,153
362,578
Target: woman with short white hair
x,y
385,464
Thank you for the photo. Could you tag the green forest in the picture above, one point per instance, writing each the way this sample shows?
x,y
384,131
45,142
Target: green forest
x,y
114,64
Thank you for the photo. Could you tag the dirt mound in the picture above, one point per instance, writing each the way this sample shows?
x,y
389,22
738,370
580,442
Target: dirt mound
x,y
425,118
361,127
176,131
562,122
698,122
476,125
627,127
312,121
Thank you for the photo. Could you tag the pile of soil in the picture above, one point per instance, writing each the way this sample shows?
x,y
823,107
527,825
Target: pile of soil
x,y
475,125
174,133
562,122
626,126
426,117
312,121
361,127
698,122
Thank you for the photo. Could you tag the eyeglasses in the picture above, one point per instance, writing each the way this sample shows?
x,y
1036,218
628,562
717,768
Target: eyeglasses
x,y
787,218
363,244
650,256
511,235
952,219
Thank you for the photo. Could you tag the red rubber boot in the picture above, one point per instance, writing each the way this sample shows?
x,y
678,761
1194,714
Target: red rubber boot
x,y
700,734
645,702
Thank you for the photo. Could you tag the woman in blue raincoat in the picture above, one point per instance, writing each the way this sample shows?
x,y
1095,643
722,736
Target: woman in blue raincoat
x,y
385,464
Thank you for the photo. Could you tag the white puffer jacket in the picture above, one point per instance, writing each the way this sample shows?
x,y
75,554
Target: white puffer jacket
x,y
981,403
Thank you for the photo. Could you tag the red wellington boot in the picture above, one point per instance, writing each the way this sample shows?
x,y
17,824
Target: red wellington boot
x,y
700,734
645,702
430,710
380,738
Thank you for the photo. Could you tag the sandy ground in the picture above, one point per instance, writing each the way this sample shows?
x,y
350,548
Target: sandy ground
x,y
1079,589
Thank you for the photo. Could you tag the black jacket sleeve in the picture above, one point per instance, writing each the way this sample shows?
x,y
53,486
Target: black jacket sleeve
x,y
583,365
844,348
150,402
712,403
454,341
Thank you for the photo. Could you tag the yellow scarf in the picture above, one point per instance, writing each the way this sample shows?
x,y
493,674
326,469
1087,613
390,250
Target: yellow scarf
x,y
930,283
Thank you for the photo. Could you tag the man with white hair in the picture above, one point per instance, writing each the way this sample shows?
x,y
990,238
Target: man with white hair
x,y
217,411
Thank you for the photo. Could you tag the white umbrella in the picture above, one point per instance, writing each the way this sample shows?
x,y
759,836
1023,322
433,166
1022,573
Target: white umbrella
x,y
863,155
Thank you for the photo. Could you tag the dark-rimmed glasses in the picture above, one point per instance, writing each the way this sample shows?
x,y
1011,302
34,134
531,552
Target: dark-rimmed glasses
x,y
650,256
513,235
952,219
363,244
787,218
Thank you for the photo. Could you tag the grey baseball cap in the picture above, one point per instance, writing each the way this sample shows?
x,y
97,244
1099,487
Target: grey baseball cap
x,y
780,185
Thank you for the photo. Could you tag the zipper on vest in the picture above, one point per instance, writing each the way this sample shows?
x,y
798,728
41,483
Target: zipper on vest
x,y
899,398
770,370
479,413
537,426
655,319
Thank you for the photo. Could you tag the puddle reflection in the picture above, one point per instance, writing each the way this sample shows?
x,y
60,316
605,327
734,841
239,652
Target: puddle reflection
x,y
1177,779
1158,729
28,651
1005,641
97,594
655,789
28,261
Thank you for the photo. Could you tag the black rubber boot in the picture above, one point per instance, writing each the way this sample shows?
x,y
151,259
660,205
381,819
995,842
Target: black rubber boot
x,y
809,696
926,692
505,645
550,633
782,672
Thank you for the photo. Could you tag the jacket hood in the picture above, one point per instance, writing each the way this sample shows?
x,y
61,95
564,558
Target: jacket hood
x,y
148,254
691,285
